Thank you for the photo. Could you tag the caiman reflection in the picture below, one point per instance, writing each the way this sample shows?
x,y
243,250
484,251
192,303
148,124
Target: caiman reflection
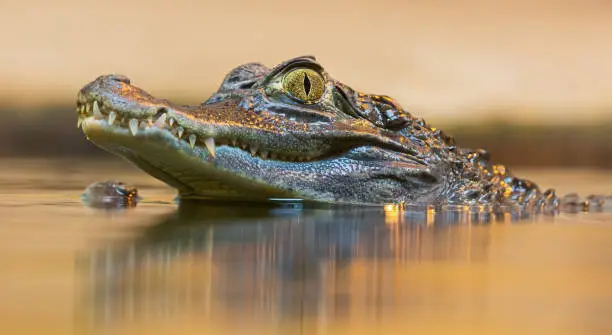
x,y
263,261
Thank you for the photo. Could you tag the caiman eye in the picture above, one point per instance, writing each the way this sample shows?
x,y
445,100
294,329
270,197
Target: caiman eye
x,y
304,84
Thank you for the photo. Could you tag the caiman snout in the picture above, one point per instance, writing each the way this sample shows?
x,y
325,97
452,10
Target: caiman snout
x,y
289,131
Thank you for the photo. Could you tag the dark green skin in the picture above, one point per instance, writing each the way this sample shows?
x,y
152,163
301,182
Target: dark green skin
x,y
349,147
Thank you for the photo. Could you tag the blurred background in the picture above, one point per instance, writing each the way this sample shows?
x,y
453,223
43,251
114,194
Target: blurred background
x,y
528,80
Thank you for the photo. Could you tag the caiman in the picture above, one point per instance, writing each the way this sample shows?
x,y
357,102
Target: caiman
x,y
294,132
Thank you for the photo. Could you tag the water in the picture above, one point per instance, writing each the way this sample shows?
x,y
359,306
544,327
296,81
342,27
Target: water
x,y
69,269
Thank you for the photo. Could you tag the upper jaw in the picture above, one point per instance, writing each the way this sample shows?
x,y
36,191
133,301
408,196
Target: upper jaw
x,y
113,99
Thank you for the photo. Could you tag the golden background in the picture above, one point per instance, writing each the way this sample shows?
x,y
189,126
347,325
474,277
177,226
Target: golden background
x,y
468,61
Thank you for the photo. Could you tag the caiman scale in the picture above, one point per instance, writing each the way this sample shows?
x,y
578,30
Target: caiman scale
x,y
294,132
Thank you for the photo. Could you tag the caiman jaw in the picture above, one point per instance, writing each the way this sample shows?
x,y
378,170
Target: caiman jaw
x,y
230,149
148,134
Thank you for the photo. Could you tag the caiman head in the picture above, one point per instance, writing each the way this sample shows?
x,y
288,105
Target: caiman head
x,y
287,132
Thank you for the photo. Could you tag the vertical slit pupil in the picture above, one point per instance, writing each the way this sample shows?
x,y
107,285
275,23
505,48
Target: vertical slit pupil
x,y
306,84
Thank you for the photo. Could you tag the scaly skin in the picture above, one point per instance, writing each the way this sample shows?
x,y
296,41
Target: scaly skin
x,y
252,140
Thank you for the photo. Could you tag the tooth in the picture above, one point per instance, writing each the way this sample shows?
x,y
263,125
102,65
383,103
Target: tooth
x,y
243,146
170,121
134,126
96,110
87,108
263,154
210,145
253,151
150,120
234,142
179,131
79,122
111,117
144,124
192,140
81,109
161,121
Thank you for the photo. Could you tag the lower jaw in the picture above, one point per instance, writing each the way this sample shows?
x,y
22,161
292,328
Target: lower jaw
x,y
193,172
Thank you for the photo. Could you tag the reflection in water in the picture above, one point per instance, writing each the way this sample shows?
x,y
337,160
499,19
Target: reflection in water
x,y
272,262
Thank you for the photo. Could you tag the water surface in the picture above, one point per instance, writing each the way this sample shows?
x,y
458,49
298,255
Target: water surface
x,y
219,269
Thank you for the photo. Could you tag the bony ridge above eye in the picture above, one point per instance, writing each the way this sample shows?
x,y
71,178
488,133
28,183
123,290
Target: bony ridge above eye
x,y
304,84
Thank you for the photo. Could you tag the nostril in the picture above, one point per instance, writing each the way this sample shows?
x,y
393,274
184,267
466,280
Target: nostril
x,y
120,78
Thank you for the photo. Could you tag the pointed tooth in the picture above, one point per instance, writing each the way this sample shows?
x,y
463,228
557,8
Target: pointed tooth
x,y
96,110
150,120
179,131
134,126
192,140
243,146
253,151
233,142
87,109
144,124
263,154
171,121
111,117
79,122
210,145
161,121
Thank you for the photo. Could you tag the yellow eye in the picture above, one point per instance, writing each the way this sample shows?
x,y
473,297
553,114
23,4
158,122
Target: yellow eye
x,y
304,84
